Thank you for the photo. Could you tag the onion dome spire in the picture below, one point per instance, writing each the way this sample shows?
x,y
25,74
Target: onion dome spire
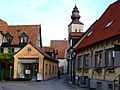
x,y
75,14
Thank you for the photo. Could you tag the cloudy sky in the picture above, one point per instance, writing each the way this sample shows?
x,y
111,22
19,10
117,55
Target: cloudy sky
x,y
53,15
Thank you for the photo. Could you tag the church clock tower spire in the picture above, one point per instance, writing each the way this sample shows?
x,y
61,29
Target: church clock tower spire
x,y
75,28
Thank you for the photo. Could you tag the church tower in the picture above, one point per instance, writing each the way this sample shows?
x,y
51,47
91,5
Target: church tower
x,y
75,28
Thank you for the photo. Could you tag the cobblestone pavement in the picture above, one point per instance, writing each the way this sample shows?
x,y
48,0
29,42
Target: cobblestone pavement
x,y
54,84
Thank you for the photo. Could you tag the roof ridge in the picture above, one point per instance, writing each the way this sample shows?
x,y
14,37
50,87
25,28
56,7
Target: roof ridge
x,y
25,25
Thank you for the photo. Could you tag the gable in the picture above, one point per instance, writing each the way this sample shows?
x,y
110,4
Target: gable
x,y
29,51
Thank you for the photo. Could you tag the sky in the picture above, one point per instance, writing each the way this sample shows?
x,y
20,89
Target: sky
x,y
52,15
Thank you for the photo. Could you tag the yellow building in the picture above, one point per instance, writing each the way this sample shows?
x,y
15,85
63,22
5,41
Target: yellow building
x,y
98,52
31,62
12,39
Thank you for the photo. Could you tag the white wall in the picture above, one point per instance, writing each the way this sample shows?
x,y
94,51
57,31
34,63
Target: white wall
x,y
77,26
63,62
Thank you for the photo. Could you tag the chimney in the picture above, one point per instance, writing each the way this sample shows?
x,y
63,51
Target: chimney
x,y
64,38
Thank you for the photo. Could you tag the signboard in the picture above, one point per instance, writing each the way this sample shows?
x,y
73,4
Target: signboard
x,y
39,77
27,71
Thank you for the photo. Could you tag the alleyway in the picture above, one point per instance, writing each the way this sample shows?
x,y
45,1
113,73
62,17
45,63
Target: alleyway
x,y
55,84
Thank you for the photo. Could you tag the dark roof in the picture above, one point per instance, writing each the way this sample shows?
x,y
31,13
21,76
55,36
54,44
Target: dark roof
x,y
61,46
76,22
106,27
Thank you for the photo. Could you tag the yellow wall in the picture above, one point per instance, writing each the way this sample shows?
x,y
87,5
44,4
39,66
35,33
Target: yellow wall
x,y
104,75
23,53
50,73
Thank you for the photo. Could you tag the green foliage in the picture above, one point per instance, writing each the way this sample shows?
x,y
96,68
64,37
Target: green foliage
x,y
6,58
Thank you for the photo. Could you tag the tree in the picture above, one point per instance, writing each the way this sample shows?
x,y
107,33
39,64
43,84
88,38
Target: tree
x,y
6,60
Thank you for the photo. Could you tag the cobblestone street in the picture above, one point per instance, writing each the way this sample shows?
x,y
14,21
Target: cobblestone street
x,y
54,84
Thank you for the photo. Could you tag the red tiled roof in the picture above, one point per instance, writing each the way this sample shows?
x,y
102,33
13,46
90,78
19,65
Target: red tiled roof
x,y
3,23
76,34
47,49
61,46
16,31
30,30
99,30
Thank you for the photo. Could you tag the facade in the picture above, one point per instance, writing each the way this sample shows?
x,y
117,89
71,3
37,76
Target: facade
x,y
14,37
32,63
98,52
61,47
30,60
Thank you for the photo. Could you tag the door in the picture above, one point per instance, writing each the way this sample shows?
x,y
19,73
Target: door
x,y
30,70
99,85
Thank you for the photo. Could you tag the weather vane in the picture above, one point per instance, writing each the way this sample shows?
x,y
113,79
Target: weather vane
x,y
75,2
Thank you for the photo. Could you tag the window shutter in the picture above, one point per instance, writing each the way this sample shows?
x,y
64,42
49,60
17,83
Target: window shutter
x,y
93,59
103,58
90,59
81,65
117,58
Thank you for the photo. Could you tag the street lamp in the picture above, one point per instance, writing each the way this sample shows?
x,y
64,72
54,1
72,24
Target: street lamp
x,y
10,72
71,57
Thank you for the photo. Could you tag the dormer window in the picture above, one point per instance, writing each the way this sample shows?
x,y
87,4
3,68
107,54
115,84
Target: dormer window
x,y
109,24
23,38
7,38
89,33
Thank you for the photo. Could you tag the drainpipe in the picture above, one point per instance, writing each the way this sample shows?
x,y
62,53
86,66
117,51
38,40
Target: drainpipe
x,y
43,69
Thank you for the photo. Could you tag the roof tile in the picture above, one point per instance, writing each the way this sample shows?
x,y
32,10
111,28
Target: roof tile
x,y
99,31
61,46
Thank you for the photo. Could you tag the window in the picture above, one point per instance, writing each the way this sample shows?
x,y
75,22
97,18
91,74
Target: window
x,y
46,68
109,24
50,70
98,59
110,55
89,33
99,86
23,38
86,61
7,38
10,50
28,49
110,86
71,43
79,62
75,30
2,50
53,69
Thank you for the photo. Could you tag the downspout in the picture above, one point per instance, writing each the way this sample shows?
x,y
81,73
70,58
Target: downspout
x,y
43,69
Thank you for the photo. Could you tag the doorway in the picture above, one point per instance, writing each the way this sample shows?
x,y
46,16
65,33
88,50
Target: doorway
x,y
30,70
